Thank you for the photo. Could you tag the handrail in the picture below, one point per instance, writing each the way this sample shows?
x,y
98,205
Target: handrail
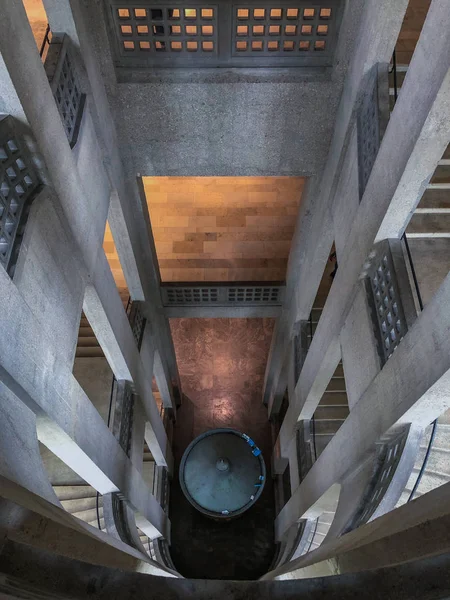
x,y
45,41
433,431
109,422
425,461
313,421
313,536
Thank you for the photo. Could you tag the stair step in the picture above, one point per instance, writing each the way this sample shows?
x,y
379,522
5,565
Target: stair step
x,y
321,442
90,352
441,175
339,371
400,78
328,413
327,517
87,342
74,492
95,524
88,516
77,505
327,427
85,332
334,399
437,201
337,384
446,154
429,225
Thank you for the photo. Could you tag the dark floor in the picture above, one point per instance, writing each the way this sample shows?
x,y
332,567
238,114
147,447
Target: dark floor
x,y
222,363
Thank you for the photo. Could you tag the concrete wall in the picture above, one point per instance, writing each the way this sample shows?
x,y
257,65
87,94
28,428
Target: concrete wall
x,y
95,377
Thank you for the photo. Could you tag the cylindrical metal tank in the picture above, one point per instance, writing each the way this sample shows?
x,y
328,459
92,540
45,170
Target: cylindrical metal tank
x,y
222,473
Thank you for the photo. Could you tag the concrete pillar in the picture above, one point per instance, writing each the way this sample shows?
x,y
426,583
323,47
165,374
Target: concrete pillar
x,y
417,529
314,232
415,124
413,387
19,53
20,460
104,309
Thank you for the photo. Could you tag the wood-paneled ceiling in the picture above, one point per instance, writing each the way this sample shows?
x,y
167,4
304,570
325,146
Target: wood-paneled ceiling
x,y
223,228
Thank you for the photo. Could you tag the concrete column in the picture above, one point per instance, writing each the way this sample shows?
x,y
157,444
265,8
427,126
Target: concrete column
x,y
413,387
104,309
417,529
24,65
20,459
27,518
314,232
360,358
416,122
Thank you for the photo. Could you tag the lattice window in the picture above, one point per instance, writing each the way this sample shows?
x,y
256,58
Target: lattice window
x,y
283,30
388,317
123,416
368,135
389,454
65,86
159,29
18,186
254,295
137,322
222,295
225,34
195,295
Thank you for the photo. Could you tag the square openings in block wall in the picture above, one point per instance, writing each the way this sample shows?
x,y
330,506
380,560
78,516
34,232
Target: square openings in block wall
x,y
282,30
225,34
165,30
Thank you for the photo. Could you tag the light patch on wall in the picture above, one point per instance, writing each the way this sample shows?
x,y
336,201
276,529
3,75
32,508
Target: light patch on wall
x,y
223,228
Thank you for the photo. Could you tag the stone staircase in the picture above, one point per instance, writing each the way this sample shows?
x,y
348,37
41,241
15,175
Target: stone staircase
x,y
437,469
76,496
319,531
148,474
431,219
331,412
87,344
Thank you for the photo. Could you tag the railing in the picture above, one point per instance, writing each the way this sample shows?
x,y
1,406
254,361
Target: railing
x,y
45,42
313,421
420,302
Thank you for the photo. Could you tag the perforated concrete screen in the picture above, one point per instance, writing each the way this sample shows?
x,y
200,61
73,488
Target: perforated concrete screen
x,y
368,136
18,186
254,295
388,317
224,34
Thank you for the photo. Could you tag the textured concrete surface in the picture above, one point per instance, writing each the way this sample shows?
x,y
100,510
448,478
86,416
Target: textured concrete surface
x,y
221,365
95,377
226,129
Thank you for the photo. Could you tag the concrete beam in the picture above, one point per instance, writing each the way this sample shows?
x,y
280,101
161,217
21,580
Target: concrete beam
x,y
413,387
107,317
417,529
313,236
420,112
27,74
29,519
67,422
222,312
